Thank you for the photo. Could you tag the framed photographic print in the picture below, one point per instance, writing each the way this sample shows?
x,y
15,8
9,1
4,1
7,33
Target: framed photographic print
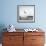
x,y
26,13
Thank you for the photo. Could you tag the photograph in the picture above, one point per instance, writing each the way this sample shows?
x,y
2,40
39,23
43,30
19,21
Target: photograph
x,y
26,13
